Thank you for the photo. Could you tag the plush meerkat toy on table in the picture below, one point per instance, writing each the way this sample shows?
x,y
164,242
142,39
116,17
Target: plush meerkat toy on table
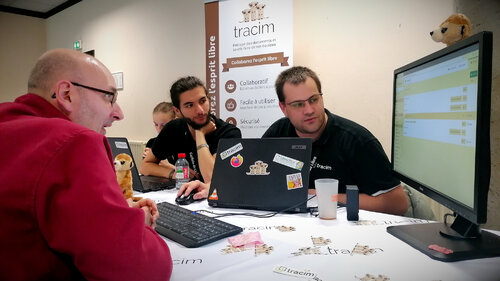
x,y
123,163
455,28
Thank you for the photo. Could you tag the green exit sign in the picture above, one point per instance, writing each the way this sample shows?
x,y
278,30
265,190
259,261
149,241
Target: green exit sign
x,y
77,45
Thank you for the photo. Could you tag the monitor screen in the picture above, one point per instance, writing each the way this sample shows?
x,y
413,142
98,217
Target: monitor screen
x,y
441,140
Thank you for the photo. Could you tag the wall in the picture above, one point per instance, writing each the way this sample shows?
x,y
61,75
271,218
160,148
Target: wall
x,y
363,50
23,40
485,15
354,46
152,42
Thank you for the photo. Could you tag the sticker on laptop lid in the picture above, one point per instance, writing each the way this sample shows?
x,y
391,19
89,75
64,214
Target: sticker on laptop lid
x,y
214,196
121,144
287,161
294,181
236,161
258,169
230,151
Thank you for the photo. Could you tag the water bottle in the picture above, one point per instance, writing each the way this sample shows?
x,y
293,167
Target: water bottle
x,y
181,170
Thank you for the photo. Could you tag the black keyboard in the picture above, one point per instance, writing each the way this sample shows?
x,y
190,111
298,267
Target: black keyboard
x,y
189,228
152,183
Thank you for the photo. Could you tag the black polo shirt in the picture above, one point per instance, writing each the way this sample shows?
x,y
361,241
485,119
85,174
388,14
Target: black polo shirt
x,y
150,142
175,138
345,151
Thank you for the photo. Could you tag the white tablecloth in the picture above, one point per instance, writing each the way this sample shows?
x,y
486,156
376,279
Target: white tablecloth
x,y
360,250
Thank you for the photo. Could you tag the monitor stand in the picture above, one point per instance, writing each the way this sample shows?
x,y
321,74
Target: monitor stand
x,y
421,236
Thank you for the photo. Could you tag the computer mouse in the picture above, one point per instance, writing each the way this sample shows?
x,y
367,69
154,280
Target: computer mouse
x,y
186,200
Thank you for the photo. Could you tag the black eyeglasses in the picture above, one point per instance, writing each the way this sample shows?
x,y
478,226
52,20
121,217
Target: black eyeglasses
x,y
111,96
299,104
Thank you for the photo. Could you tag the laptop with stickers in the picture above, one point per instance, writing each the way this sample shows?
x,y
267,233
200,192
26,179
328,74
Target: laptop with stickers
x,y
263,174
139,183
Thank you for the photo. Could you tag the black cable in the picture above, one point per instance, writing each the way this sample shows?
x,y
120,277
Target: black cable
x,y
267,215
448,215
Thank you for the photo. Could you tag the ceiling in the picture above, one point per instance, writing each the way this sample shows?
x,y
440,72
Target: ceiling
x,y
36,8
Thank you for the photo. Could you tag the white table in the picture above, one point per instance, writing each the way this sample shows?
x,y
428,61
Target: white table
x,y
294,251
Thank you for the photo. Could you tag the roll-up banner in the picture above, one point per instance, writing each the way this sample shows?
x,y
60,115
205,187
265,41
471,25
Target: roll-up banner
x,y
247,45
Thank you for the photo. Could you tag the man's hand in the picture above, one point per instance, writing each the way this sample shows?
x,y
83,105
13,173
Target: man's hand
x,y
208,128
150,210
200,187
206,159
146,151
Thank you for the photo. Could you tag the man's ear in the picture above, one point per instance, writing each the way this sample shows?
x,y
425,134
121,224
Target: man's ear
x,y
63,95
177,112
282,107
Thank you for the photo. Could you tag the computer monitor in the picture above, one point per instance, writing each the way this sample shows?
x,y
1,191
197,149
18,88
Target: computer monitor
x,y
441,146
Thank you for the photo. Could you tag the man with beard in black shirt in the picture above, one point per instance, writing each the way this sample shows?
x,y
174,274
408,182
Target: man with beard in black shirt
x,y
196,133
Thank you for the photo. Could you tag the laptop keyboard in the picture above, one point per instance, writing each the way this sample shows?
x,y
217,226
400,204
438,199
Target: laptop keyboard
x,y
189,228
156,185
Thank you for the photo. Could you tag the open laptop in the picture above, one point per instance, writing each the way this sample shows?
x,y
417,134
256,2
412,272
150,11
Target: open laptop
x,y
139,183
263,174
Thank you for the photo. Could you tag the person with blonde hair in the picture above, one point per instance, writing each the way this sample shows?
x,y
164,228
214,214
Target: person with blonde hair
x,y
162,114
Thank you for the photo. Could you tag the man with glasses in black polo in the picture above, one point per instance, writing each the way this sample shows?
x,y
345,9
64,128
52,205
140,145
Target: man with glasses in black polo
x,y
342,149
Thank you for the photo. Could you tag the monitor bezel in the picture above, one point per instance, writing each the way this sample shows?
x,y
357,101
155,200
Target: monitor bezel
x,y
477,214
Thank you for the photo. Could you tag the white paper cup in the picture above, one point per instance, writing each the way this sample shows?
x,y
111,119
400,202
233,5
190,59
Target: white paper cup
x,y
327,191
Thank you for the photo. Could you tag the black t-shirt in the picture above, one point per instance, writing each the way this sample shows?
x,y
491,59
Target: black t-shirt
x,y
150,142
345,151
175,138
